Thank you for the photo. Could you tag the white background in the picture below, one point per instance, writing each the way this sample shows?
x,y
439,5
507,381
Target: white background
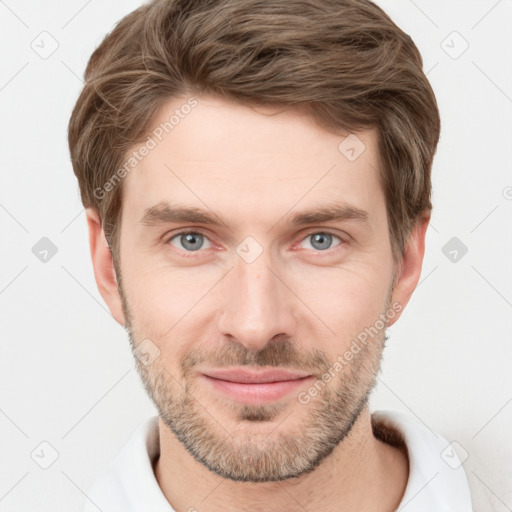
x,y
66,371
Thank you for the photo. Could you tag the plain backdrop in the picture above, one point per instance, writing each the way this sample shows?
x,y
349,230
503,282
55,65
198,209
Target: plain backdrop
x,y
67,377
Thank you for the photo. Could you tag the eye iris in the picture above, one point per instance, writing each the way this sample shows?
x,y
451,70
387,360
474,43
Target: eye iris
x,y
324,239
190,238
320,241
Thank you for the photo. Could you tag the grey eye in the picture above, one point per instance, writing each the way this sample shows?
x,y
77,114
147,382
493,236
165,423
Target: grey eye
x,y
321,241
190,241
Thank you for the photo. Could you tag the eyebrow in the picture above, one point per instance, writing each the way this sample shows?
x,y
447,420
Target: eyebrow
x,y
165,213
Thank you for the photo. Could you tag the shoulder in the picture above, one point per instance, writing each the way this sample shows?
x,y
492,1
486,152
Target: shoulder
x,y
437,480
128,483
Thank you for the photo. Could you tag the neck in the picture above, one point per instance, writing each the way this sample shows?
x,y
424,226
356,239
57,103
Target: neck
x,y
360,473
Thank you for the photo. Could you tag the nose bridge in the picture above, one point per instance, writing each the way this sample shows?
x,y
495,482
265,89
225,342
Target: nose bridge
x,y
254,305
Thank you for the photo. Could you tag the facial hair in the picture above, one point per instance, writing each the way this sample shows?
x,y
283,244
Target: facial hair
x,y
242,454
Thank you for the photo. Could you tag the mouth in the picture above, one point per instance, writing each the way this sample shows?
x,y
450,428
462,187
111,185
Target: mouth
x,y
254,386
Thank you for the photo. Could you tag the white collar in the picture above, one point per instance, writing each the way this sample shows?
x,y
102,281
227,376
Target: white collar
x,y
128,484
434,484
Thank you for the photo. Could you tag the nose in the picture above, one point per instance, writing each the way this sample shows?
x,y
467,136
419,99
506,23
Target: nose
x,y
256,304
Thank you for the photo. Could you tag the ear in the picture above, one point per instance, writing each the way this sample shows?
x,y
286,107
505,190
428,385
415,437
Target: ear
x,y
409,267
103,265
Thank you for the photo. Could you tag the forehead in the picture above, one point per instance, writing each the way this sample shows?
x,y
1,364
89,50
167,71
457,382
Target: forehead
x,y
250,161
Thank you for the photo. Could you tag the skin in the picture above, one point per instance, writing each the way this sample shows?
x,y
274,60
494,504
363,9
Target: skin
x,y
298,305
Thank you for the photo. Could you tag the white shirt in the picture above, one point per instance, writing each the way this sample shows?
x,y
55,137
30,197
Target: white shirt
x,y
437,482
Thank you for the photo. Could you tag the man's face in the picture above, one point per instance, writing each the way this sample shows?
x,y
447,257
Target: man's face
x,y
256,290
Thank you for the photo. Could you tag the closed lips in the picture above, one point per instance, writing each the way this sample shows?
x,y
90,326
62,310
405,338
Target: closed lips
x,y
255,377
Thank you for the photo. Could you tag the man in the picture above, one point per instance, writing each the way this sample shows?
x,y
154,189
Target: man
x,y
256,177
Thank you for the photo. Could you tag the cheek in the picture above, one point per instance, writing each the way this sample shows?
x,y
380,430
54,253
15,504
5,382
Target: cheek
x,y
171,304
346,300
162,300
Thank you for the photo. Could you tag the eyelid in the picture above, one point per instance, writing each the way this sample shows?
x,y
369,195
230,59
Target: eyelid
x,y
310,231
315,231
168,237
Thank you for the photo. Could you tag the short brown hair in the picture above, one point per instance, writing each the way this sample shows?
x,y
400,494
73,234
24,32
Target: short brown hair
x,y
343,62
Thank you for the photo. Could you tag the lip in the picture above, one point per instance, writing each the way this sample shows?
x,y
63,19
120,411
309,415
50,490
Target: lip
x,y
254,386
246,376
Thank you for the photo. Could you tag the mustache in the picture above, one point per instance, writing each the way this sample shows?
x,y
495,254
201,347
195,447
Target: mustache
x,y
278,353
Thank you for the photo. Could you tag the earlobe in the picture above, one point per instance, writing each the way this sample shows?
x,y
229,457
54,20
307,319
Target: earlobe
x,y
409,269
103,266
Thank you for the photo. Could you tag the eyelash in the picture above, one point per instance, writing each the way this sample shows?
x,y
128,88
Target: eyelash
x,y
199,232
